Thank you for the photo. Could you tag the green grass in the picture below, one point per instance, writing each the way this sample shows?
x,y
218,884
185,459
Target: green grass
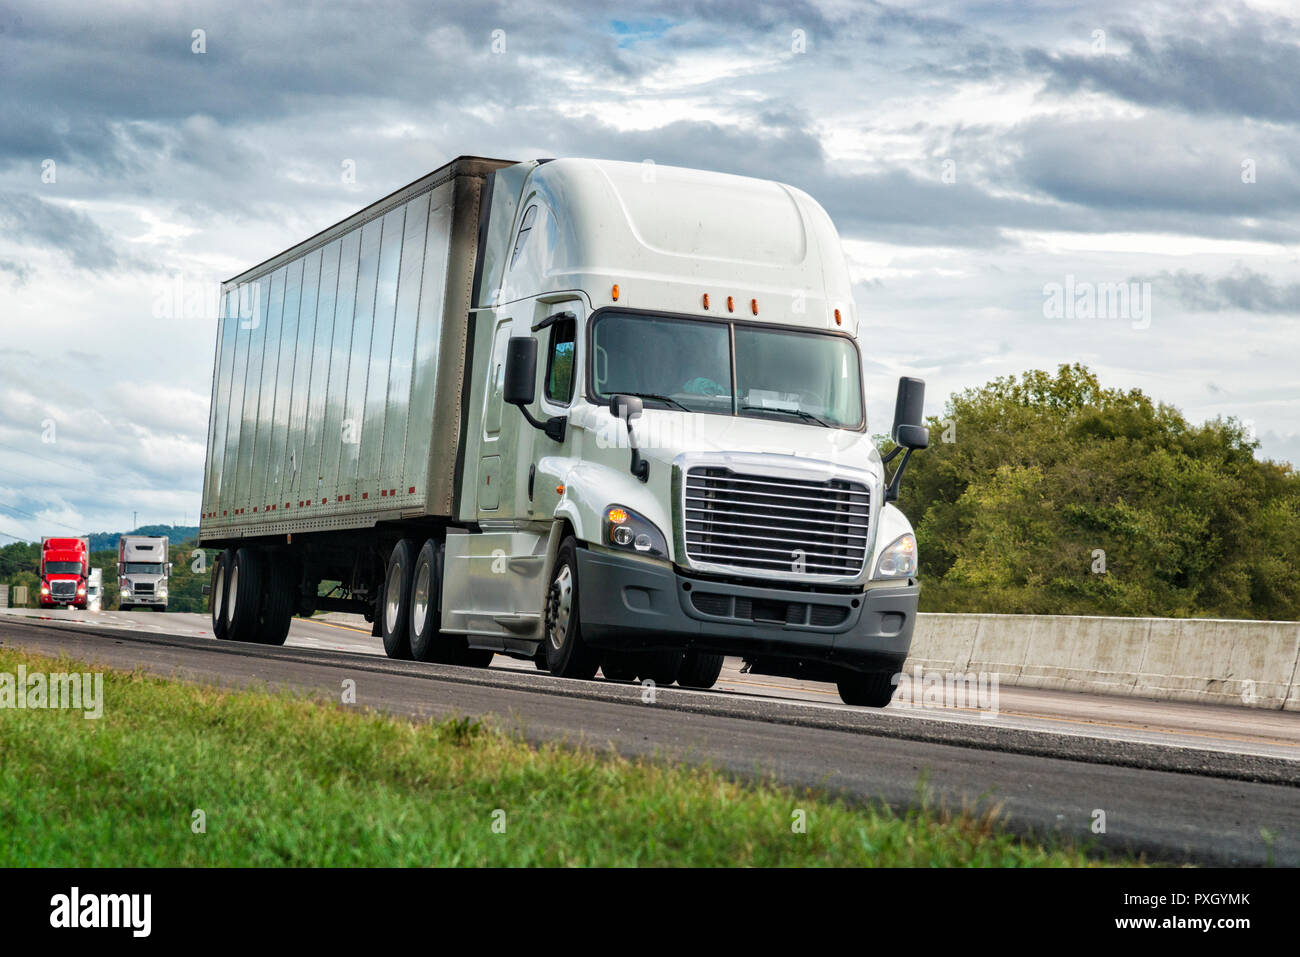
x,y
284,780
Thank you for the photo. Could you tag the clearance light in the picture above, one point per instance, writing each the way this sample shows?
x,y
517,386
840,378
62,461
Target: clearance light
x,y
731,304
559,490
753,306
706,300
614,292
838,320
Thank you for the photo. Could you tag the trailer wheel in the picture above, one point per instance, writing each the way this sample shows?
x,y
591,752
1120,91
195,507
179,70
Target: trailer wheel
x,y
279,599
871,689
699,670
395,606
244,595
567,655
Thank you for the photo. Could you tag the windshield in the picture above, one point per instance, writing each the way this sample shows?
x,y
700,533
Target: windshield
x,y
63,568
141,568
687,364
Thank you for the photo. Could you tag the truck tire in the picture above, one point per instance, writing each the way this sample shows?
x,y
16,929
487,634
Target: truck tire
x,y
395,603
279,599
661,667
425,617
244,595
567,655
870,689
121,607
699,670
618,666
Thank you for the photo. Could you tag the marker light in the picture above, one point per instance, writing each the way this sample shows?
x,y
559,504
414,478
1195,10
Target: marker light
x,y
731,304
753,306
706,300
614,292
617,515
838,320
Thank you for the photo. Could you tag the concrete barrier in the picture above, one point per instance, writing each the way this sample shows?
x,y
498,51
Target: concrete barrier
x,y
1251,663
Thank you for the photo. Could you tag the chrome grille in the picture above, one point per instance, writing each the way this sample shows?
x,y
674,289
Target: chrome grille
x,y
775,525
63,588
143,588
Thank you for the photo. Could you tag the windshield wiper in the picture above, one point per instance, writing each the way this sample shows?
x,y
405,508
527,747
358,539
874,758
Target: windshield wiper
x,y
806,416
652,395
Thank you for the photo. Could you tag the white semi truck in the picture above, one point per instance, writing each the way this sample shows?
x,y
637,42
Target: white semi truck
x,y
607,416
142,572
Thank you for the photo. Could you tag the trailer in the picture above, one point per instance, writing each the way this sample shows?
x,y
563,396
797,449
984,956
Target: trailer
x,y
694,478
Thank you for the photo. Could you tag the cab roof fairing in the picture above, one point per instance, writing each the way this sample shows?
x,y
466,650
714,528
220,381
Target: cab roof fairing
x,y
668,235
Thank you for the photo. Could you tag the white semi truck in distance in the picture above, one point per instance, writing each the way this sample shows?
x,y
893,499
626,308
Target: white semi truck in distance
x,y
142,572
607,416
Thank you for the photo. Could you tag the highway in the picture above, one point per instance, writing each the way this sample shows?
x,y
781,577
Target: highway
x,y
1177,782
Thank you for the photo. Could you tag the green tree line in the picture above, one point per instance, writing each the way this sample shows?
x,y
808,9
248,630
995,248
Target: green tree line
x,y
1049,494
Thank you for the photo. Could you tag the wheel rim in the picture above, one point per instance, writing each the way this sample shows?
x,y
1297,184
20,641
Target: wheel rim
x,y
561,607
420,599
393,599
219,594
234,593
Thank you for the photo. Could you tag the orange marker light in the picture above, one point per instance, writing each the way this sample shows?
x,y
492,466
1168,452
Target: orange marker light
x,y
617,515
838,320
559,490
753,306
614,292
731,304
706,300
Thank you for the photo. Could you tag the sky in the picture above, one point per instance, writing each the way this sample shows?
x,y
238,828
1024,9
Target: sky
x,y
985,164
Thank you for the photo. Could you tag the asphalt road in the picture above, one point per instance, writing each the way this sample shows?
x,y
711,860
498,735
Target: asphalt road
x,y
1176,782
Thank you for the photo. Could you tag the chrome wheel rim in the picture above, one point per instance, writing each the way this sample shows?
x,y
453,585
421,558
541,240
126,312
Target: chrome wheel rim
x,y
420,599
234,593
562,606
219,594
392,600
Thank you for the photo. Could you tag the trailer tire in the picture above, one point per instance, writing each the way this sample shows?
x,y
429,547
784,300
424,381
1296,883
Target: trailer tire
x,y
567,655
394,610
244,595
279,599
699,669
870,689
219,597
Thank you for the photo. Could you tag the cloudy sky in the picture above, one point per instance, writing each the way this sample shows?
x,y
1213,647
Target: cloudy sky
x,y
974,156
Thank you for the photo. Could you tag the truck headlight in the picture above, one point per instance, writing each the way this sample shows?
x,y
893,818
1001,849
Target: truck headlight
x,y
898,560
628,530
126,590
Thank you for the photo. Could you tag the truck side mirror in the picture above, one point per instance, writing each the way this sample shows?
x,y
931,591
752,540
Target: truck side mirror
x,y
520,384
627,408
908,433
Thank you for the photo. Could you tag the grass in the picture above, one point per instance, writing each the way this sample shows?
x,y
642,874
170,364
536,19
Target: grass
x,y
284,780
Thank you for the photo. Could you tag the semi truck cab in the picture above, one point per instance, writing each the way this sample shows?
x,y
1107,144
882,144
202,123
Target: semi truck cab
x,y
65,570
142,572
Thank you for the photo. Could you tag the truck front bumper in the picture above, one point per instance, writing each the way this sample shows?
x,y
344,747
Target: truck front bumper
x,y
628,603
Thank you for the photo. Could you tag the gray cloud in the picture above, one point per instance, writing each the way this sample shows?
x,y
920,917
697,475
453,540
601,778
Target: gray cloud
x,y
33,220
1243,289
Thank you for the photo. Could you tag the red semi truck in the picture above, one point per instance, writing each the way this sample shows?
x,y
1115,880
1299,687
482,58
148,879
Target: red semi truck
x,y
65,571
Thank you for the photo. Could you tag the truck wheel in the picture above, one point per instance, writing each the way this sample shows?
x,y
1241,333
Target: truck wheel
x,y
427,642
279,598
121,607
661,667
567,656
244,595
395,607
699,670
474,657
618,666
871,689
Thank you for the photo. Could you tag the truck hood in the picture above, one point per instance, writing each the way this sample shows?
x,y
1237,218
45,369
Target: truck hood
x,y
663,434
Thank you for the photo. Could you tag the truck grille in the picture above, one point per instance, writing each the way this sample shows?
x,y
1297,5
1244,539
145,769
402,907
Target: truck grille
x,y
761,523
63,589
143,588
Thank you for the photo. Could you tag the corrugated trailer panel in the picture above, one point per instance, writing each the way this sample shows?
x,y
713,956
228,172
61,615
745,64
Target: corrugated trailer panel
x,y
340,366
